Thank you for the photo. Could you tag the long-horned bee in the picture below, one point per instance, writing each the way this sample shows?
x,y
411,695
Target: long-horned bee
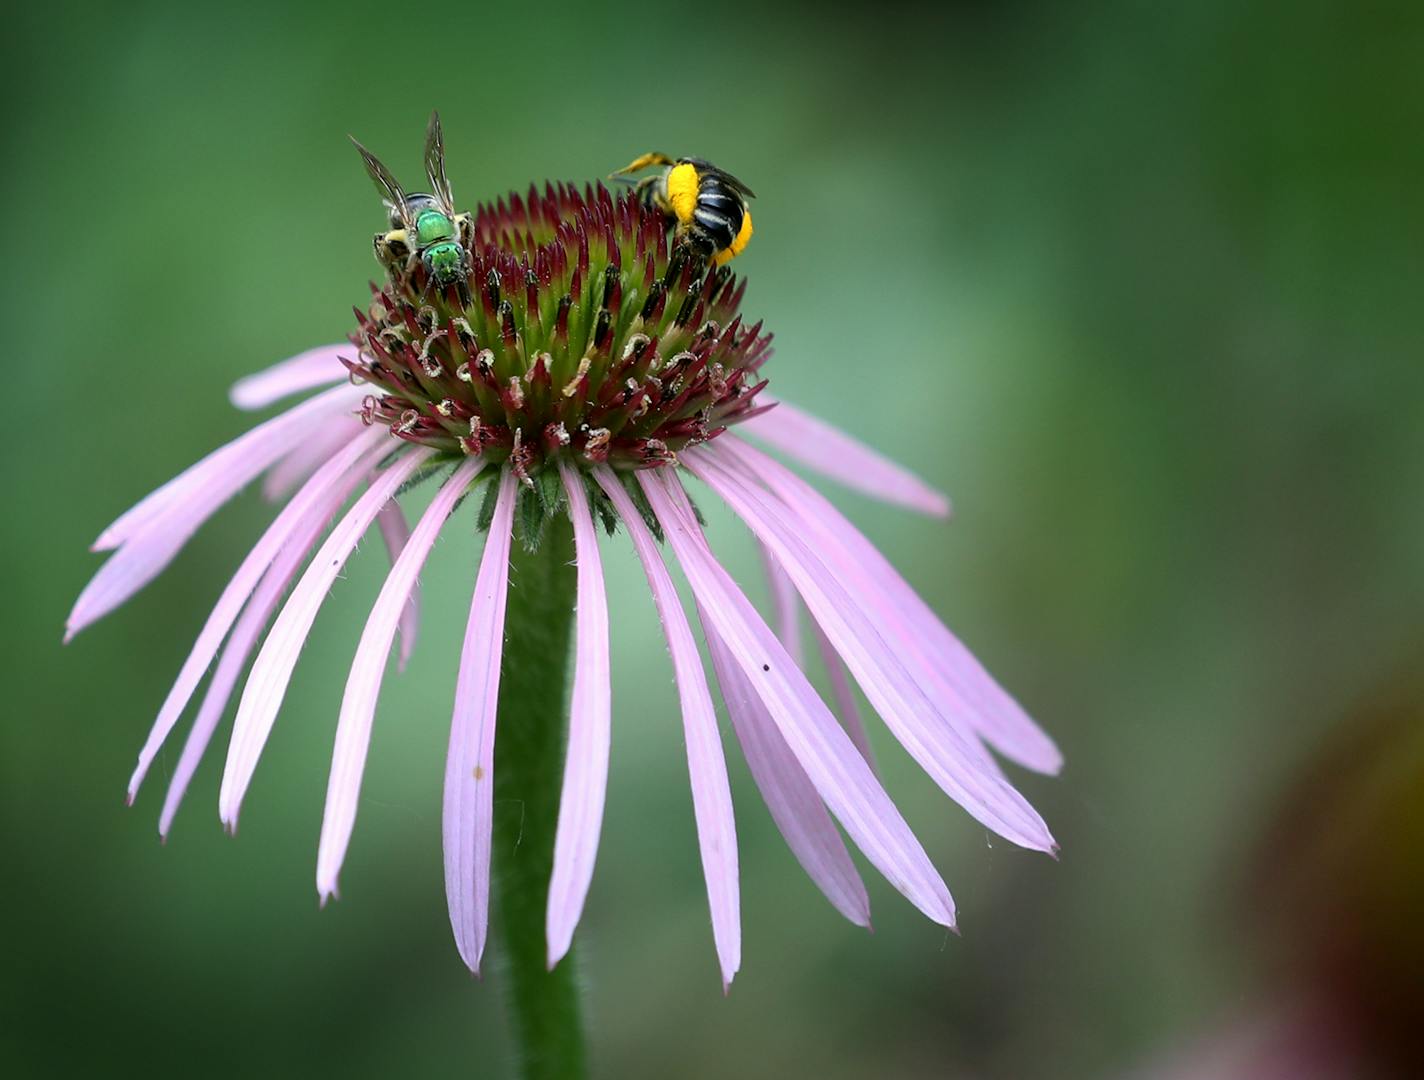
x,y
424,227
707,204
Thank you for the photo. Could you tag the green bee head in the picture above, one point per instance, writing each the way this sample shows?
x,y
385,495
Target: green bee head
x,y
446,262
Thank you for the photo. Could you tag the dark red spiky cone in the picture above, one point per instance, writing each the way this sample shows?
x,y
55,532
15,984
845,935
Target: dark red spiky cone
x,y
581,332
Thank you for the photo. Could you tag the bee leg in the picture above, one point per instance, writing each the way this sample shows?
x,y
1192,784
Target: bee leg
x,y
699,264
686,251
465,223
408,273
391,249
640,163
647,191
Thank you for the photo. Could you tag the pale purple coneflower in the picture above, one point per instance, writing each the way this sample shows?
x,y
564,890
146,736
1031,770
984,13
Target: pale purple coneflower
x,y
590,369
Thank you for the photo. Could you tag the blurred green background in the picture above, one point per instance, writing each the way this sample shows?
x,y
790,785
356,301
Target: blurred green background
x,y
1139,285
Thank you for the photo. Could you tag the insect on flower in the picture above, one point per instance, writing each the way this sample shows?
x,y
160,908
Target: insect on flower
x,y
594,372
707,205
425,228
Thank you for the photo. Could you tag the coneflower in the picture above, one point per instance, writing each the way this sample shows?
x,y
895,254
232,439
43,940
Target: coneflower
x,y
588,370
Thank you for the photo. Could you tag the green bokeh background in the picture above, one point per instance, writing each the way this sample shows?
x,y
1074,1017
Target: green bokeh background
x,y
1139,285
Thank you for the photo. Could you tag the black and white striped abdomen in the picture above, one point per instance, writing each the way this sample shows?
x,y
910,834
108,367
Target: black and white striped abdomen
x,y
718,212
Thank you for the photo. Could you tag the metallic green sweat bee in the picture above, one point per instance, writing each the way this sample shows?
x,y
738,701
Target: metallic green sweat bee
x,y
425,229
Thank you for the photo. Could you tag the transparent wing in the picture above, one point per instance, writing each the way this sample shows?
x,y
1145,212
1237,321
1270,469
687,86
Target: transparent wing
x,y
435,165
704,166
736,185
386,184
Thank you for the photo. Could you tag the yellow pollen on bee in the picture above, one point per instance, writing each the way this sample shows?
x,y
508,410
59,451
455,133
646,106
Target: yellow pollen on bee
x,y
743,237
682,181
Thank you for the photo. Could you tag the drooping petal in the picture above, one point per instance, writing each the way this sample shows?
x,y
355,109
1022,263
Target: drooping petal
x,y
586,768
144,556
788,628
846,709
363,686
787,791
229,467
786,606
950,671
840,775
332,483
395,531
954,760
706,765
240,643
468,818
272,670
288,474
315,367
833,453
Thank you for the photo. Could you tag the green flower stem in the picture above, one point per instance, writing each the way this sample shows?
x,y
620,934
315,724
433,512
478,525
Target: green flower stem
x,y
528,775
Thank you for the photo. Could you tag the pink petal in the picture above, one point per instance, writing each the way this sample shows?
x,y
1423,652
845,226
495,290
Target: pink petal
x,y
788,630
229,467
957,763
786,605
272,670
363,686
846,710
145,554
787,791
468,816
835,767
315,367
833,453
395,531
711,794
288,474
312,506
239,646
949,672
586,767
785,787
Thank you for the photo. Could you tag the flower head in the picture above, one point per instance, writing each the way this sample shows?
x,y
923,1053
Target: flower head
x,y
584,366
582,336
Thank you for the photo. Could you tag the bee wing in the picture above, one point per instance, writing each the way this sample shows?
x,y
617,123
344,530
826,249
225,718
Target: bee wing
x,y
705,166
435,164
736,185
385,182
